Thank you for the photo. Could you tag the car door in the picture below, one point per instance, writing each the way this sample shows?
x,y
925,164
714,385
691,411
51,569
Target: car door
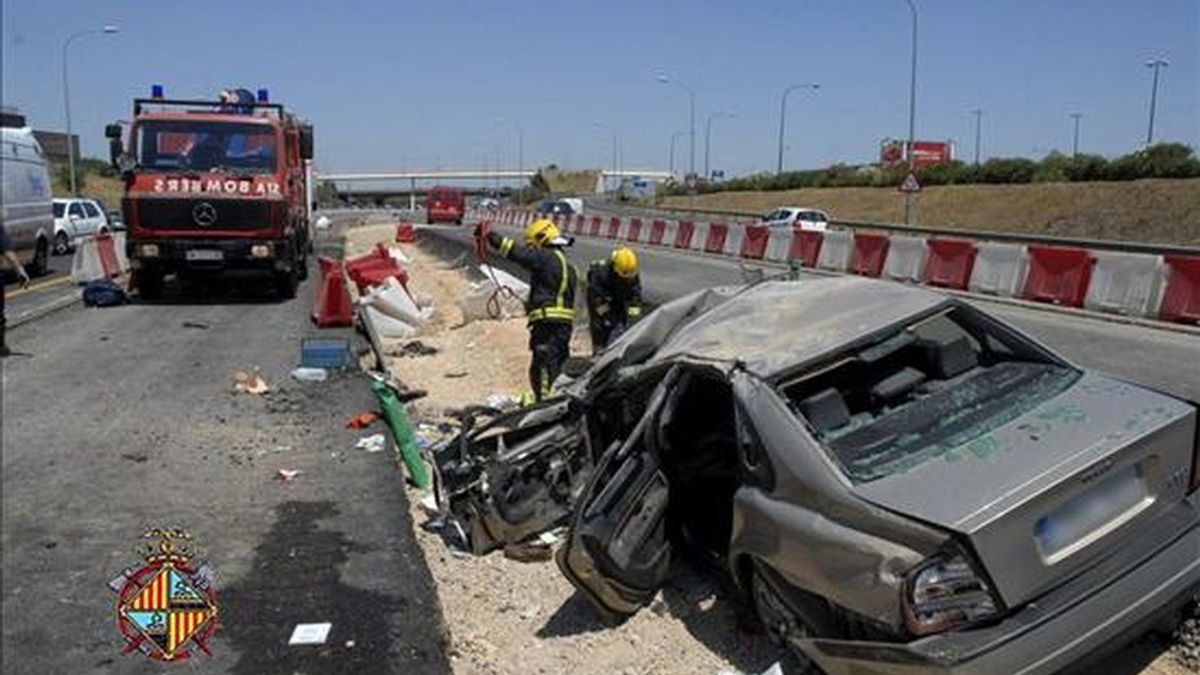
x,y
618,551
76,220
94,219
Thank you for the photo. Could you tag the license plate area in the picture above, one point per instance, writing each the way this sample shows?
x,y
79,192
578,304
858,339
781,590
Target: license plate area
x,y
204,255
1088,516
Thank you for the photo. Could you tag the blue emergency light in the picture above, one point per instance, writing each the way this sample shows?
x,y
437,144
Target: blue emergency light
x,y
156,91
262,96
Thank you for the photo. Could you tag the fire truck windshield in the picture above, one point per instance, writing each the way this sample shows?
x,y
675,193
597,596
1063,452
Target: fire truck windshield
x,y
174,146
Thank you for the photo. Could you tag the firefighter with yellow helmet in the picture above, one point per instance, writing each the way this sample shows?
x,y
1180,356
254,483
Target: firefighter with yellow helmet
x,y
614,296
550,307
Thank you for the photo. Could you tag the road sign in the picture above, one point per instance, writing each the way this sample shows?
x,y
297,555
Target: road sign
x,y
910,184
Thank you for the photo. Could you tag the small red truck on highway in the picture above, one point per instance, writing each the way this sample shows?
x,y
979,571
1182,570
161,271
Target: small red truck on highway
x,y
212,186
445,205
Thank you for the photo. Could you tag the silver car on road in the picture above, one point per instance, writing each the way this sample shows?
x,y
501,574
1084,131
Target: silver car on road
x,y
899,482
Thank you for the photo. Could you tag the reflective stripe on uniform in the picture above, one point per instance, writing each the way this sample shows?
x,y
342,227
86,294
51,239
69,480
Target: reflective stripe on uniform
x,y
506,245
634,311
552,313
566,277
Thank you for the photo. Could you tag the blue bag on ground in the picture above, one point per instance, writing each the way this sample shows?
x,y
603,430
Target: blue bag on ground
x,y
103,293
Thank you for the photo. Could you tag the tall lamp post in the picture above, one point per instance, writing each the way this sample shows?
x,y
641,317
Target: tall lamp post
x,y
1075,136
783,117
602,125
108,29
1155,65
662,78
978,113
675,135
708,137
912,110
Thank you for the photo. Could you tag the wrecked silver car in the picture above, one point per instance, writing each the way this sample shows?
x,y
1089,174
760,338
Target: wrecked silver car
x,y
899,482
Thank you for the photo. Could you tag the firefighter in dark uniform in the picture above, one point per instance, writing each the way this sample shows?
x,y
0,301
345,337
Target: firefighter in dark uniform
x,y
12,259
614,297
550,307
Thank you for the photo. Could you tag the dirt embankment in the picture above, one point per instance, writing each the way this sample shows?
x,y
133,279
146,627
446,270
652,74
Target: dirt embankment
x,y
1158,211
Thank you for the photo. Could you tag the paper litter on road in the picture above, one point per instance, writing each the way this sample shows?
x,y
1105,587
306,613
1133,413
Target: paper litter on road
x,y
287,475
372,443
310,374
362,420
310,634
249,383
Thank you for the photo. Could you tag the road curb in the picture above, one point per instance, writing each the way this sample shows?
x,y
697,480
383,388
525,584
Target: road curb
x,y
44,310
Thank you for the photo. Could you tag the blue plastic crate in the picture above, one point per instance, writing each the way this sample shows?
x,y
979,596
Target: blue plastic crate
x,y
325,353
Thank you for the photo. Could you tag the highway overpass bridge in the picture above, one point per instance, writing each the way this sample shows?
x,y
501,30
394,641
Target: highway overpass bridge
x,y
393,185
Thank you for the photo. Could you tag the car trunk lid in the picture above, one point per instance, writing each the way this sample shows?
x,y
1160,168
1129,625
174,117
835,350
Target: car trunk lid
x,y
1058,487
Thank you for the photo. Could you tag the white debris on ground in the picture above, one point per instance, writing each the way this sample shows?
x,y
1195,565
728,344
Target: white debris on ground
x,y
510,617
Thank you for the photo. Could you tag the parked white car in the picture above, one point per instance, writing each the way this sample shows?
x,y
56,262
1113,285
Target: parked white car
x,y
75,219
25,197
797,216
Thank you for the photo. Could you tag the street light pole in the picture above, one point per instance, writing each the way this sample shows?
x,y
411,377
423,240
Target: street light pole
x,y
1155,65
708,138
1075,137
108,29
675,135
691,120
783,118
978,113
912,111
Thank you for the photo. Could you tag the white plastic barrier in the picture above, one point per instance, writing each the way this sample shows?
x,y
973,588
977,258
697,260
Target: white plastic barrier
x,y
699,237
86,266
392,299
1000,269
836,250
669,231
119,244
906,259
779,244
386,327
1125,283
733,239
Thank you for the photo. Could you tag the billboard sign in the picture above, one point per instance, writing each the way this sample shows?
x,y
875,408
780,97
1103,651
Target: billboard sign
x,y
925,153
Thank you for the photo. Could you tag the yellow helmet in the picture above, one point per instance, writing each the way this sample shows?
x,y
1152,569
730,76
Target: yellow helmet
x,y
541,232
624,263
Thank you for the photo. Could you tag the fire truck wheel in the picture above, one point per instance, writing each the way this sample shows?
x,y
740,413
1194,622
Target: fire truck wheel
x,y
286,284
150,285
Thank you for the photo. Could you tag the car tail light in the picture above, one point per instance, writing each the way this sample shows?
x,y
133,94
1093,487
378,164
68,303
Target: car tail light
x,y
945,593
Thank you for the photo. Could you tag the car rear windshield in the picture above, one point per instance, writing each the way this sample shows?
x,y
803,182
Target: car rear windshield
x,y
234,147
937,384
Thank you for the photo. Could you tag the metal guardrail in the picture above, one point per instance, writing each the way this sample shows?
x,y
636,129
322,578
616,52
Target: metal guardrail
x,y
1013,237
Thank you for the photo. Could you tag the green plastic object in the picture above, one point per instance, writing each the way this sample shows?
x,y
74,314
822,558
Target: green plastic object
x,y
795,270
406,443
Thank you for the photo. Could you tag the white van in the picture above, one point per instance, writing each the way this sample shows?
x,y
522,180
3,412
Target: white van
x,y
26,213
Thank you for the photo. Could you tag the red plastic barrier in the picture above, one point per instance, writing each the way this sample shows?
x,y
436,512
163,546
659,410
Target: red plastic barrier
x,y
107,249
1058,275
596,222
658,229
333,300
716,238
1181,295
405,233
806,247
373,268
614,228
635,230
754,241
870,252
949,263
683,234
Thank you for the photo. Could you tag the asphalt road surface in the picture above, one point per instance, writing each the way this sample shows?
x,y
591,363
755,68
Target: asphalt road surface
x,y
1163,359
117,420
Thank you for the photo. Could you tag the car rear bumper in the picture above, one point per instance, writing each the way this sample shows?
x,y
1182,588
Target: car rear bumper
x,y
1059,630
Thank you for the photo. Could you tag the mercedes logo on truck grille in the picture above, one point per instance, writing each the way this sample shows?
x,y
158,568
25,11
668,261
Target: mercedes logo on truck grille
x,y
204,214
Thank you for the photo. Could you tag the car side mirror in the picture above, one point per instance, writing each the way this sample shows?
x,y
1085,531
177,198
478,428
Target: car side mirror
x,y
306,142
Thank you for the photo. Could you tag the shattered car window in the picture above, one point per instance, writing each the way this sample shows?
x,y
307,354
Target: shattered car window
x,y
942,382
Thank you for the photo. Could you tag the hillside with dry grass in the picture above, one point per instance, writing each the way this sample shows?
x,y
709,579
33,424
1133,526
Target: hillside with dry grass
x,y
1161,211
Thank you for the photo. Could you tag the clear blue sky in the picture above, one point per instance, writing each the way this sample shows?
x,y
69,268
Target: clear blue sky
x,y
414,84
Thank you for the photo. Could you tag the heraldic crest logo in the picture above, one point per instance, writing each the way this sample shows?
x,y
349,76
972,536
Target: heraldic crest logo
x,y
166,607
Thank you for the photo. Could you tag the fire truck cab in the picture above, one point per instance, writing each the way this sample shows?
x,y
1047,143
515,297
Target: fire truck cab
x,y
212,186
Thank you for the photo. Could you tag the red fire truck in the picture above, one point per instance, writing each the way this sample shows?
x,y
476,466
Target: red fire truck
x,y
445,205
212,186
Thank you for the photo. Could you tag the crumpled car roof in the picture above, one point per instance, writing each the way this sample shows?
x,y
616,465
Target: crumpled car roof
x,y
768,328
